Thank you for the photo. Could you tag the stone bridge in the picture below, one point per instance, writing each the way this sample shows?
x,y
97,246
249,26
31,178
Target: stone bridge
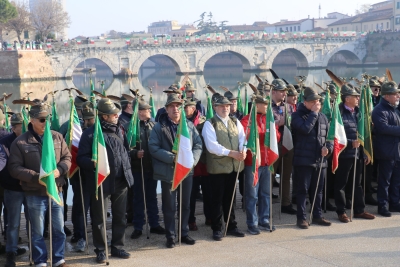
x,y
256,55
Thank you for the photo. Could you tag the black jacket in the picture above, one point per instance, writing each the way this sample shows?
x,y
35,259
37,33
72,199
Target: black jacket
x,y
145,129
124,118
6,181
309,131
118,157
350,127
386,120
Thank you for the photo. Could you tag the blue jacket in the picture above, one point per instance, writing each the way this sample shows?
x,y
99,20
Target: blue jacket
x,y
309,131
350,127
386,120
160,147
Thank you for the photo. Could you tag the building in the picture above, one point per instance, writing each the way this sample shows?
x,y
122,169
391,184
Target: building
x,y
163,27
285,25
396,15
244,28
322,23
184,31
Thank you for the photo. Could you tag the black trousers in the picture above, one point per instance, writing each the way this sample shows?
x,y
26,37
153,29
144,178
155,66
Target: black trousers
x,y
65,195
344,176
204,182
222,186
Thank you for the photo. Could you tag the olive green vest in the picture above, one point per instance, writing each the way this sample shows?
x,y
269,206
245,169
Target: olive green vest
x,y
229,138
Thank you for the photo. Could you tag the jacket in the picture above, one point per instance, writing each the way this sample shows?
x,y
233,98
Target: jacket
x,y
118,157
6,181
386,120
350,127
124,118
160,147
25,160
279,112
145,129
309,130
198,121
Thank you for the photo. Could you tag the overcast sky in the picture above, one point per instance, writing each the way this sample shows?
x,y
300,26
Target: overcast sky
x,y
93,17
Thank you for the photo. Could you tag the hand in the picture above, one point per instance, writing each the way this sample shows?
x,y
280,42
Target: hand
x,y
324,151
244,154
239,156
316,107
56,173
356,144
140,154
367,161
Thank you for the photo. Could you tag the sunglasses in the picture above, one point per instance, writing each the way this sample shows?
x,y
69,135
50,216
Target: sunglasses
x,y
42,120
377,89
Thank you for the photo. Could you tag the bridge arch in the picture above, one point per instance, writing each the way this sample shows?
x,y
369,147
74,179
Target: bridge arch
x,y
70,69
290,56
176,59
342,57
246,60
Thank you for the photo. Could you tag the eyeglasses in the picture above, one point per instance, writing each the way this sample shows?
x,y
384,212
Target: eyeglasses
x,y
42,120
377,89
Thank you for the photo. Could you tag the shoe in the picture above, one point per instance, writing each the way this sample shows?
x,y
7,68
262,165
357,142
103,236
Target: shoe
x,y
343,218
253,230
67,232
10,262
235,232
217,235
266,227
119,253
208,222
80,245
330,207
170,243
321,221
302,224
157,230
100,256
20,251
394,209
188,240
274,196
370,200
136,234
384,212
193,226
288,209
365,215
74,239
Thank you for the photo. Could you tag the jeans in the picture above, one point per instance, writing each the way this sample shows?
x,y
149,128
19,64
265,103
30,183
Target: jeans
x,y
37,206
13,201
150,188
260,193
388,184
77,213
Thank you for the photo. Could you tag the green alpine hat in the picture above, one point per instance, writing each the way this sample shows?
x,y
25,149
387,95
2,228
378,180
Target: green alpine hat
x,y
189,88
348,89
143,105
229,95
173,88
123,101
374,83
79,100
190,102
87,111
278,84
291,91
16,118
260,99
107,107
223,101
40,110
173,98
389,88
310,94
215,97
332,89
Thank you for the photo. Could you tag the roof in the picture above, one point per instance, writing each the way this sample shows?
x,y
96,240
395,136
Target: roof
x,y
243,28
289,22
366,17
261,23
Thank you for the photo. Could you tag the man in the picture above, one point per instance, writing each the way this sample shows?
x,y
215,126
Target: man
x,y
344,173
3,131
14,196
310,129
234,112
160,146
190,94
376,89
24,165
386,120
281,112
116,184
126,113
79,235
141,162
259,195
172,89
291,98
224,138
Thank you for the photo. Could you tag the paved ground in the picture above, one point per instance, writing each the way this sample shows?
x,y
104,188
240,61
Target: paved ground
x,y
359,243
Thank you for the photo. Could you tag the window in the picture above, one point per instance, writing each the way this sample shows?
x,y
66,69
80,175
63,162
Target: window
x,y
387,25
287,29
337,28
398,5
298,28
280,30
290,29
397,20
26,34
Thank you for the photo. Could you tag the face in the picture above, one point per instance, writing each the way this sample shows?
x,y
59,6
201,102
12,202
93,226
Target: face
x,y
128,108
310,104
144,114
375,90
79,111
38,125
233,107
113,118
222,110
189,110
278,95
393,99
292,99
89,122
17,129
352,101
261,108
190,94
173,111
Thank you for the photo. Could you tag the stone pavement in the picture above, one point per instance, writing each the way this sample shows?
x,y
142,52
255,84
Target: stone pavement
x,y
359,243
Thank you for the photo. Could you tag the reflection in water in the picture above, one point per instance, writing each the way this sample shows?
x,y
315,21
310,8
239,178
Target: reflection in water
x,y
160,79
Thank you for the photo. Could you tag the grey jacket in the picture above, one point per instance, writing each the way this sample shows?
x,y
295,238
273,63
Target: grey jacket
x,y
160,147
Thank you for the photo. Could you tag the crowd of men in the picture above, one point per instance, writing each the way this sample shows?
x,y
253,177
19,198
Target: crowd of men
x,y
220,158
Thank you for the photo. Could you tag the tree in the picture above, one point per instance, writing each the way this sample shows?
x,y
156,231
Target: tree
x,y
48,16
208,26
21,22
7,11
364,8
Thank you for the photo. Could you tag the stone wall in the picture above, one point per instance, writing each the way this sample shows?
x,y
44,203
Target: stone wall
x,y
383,48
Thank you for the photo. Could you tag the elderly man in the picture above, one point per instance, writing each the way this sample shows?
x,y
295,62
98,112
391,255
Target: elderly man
x,y
190,91
115,186
386,120
160,146
224,138
24,165
172,89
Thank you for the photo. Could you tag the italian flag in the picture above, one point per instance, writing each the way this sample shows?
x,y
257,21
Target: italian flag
x,y
128,41
144,40
78,41
65,43
187,39
218,36
253,144
353,34
28,46
344,33
363,34
48,45
287,140
231,35
99,156
271,140
73,137
322,35
48,165
91,41
252,34
304,35
108,41
295,35
337,135
283,35
265,34
168,39
241,35
197,38
183,149
208,37
156,40
275,35
313,34
335,34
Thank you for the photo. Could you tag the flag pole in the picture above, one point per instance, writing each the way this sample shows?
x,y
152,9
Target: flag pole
x,y
237,174
50,233
104,224
180,214
144,194
270,202
326,178
354,182
316,189
84,212
30,242
280,188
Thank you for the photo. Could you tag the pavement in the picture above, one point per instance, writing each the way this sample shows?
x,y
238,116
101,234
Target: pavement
x,y
358,243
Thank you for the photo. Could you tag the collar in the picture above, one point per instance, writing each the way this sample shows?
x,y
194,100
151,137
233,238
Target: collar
x,y
348,108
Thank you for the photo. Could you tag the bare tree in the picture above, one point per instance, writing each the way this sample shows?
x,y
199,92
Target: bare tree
x,y
21,22
364,8
48,16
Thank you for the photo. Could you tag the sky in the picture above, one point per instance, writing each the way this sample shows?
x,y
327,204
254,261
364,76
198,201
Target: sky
x,y
94,17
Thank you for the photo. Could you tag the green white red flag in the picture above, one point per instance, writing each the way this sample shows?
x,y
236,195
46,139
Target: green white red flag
x,y
48,165
183,149
337,135
73,137
253,144
133,132
271,140
287,140
55,122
